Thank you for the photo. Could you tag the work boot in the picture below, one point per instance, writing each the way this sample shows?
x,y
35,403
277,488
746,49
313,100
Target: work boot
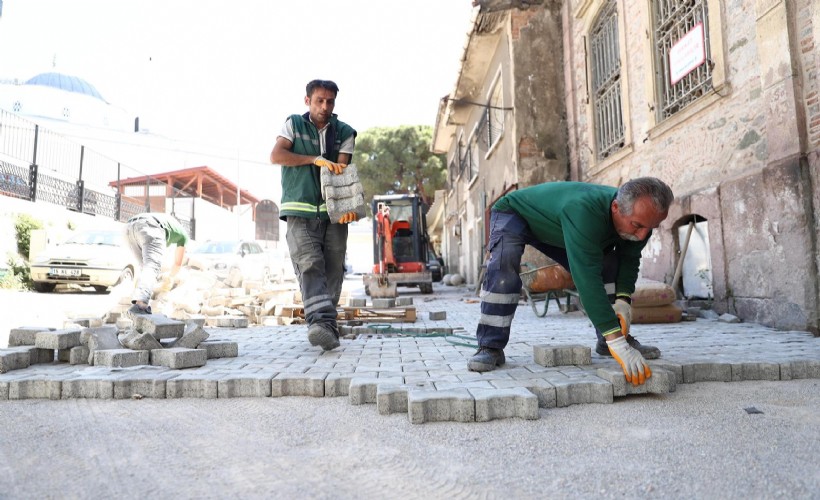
x,y
486,359
321,336
136,309
647,351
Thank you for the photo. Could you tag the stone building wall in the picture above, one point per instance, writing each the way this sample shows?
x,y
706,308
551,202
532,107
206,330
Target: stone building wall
x,y
743,157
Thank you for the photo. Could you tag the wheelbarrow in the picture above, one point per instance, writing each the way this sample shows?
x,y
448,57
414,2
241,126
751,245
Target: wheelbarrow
x,y
546,283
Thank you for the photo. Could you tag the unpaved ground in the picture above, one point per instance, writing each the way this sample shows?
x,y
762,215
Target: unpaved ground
x,y
698,442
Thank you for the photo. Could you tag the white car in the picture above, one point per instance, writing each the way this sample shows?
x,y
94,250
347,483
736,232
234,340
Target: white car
x,y
221,256
97,258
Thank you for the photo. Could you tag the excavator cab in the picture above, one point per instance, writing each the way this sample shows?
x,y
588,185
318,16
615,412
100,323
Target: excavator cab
x,y
400,245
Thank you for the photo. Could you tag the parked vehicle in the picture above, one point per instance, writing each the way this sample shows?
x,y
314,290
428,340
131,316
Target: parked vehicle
x,y
221,256
97,258
13,185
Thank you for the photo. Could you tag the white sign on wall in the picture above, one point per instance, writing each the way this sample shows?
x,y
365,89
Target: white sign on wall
x,y
687,54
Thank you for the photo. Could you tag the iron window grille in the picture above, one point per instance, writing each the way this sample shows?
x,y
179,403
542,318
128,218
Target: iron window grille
x,y
672,19
606,82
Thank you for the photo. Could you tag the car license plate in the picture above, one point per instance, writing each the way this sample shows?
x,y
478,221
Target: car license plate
x,y
64,272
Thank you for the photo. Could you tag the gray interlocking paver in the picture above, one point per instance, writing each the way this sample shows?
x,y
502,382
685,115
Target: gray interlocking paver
x,y
425,362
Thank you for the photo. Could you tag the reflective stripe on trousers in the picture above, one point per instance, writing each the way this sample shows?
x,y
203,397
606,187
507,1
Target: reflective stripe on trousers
x,y
317,249
509,234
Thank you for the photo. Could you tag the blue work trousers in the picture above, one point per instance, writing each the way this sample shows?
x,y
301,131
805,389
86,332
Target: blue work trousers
x,y
501,290
317,249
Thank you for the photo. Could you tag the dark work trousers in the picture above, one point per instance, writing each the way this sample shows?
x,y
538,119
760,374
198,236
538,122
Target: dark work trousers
x,y
317,249
509,233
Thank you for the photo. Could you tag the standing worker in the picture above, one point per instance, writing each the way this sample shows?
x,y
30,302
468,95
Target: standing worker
x,y
306,144
596,233
148,235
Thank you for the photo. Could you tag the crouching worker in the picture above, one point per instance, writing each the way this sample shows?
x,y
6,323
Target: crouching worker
x,y
148,235
596,233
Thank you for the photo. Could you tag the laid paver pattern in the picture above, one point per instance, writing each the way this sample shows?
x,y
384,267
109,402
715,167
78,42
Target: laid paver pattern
x,y
414,368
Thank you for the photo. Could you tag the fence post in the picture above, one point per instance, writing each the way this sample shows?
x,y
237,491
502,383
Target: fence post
x,y
32,169
80,183
118,197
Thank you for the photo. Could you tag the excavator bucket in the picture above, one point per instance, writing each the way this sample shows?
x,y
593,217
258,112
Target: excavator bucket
x,y
383,290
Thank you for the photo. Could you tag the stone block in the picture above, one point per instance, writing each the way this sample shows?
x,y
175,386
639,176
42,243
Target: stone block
x,y
404,301
121,358
357,302
196,319
141,386
661,382
219,349
576,391
100,339
78,355
35,389
159,326
245,387
12,359
193,386
338,384
494,404
543,390
384,303
124,324
228,321
561,355
675,368
179,357
707,372
438,315
392,398
755,371
192,337
794,370
91,388
298,384
452,405
139,341
58,339
25,335
87,322
363,390
37,356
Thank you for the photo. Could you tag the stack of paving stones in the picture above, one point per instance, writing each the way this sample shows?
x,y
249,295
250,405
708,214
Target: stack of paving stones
x,y
150,340
419,369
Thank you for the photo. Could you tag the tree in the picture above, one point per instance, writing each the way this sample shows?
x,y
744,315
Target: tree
x,y
398,160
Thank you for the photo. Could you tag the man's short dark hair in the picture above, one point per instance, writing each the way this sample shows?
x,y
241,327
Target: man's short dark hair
x,y
325,84
660,194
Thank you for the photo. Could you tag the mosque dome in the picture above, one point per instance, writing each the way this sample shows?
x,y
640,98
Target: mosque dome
x,y
65,82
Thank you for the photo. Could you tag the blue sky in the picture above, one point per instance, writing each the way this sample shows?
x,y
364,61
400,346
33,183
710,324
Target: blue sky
x,y
230,72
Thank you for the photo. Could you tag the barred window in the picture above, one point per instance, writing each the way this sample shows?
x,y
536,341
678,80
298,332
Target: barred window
x,y
672,20
495,115
605,62
474,157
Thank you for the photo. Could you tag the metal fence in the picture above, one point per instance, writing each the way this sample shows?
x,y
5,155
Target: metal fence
x,y
40,165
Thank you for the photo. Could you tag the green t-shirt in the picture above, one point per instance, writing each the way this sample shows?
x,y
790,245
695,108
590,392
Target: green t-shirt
x,y
577,216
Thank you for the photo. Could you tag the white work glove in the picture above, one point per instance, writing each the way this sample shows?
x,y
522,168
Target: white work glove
x,y
635,369
323,162
623,310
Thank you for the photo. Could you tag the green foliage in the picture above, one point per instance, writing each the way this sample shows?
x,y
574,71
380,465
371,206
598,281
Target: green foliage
x,y
398,160
18,275
23,226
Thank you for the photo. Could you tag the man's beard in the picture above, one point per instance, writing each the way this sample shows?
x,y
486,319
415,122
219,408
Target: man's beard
x,y
629,237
